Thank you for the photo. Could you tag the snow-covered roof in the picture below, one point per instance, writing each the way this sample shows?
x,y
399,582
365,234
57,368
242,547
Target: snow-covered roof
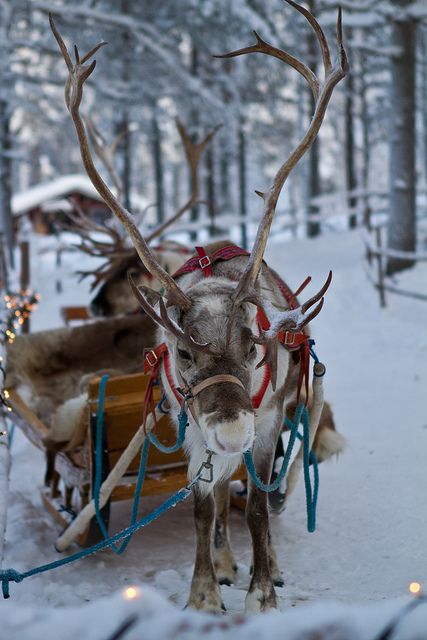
x,y
58,189
52,190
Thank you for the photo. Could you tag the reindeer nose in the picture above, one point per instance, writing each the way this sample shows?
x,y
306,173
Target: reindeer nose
x,y
227,447
234,436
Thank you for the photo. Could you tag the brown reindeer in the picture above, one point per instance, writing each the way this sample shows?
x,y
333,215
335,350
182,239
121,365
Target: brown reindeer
x,y
114,295
212,342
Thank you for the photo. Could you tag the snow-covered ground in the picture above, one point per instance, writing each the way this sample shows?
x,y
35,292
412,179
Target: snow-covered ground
x,y
372,511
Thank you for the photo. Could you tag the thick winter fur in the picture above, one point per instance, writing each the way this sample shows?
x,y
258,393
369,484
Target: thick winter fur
x,y
49,368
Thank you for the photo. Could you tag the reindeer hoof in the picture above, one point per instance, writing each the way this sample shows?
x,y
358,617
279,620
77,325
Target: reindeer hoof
x,y
279,582
258,600
210,602
225,567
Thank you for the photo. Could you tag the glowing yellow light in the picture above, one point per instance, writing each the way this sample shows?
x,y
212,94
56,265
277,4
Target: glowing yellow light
x,y
6,393
9,408
415,588
130,593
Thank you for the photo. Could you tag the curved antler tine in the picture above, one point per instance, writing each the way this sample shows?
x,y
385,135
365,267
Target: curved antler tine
x,y
312,314
270,343
184,336
319,33
143,302
93,51
262,46
76,54
61,43
318,295
342,52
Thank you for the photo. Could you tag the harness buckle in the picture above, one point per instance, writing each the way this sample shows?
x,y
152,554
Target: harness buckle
x,y
151,358
207,464
286,337
204,262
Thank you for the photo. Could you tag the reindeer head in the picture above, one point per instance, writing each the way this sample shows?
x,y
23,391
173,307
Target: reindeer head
x,y
219,375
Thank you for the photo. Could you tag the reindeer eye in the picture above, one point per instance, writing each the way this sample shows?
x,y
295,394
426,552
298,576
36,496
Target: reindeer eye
x,y
184,354
252,350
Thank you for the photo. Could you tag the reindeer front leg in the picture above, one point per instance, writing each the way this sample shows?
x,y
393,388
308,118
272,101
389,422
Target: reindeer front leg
x,y
225,564
261,595
205,593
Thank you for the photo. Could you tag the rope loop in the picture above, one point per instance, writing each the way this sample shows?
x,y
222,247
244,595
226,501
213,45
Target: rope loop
x,y
311,492
6,576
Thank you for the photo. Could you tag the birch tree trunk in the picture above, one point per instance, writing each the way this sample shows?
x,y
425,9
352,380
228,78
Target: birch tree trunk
x,y
402,224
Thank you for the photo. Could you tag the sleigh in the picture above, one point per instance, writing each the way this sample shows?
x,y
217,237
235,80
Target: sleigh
x,y
45,357
72,484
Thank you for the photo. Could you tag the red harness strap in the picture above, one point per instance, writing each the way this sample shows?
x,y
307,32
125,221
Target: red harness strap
x,y
205,262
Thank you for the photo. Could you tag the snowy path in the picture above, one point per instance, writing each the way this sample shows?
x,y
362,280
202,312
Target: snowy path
x,y
372,513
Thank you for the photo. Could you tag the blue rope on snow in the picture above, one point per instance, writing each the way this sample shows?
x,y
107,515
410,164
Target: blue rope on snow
x,y
301,415
11,575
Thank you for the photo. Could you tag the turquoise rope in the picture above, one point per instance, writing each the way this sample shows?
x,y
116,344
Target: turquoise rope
x,y
311,492
11,575
11,432
118,550
182,426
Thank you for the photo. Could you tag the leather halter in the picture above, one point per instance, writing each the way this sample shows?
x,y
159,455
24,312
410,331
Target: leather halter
x,y
192,392
189,393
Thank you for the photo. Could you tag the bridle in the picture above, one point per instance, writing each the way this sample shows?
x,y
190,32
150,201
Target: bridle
x,y
189,393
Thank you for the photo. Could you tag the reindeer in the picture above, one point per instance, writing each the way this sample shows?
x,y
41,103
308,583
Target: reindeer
x,y
114,296
212,341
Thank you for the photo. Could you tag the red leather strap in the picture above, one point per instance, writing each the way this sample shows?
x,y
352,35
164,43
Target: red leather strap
x,y
205,263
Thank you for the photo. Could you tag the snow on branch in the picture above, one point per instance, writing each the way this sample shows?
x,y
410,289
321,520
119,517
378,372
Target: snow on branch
x,y
146,35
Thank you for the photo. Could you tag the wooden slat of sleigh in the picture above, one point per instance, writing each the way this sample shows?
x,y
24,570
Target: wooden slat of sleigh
x,y
74,313
123,415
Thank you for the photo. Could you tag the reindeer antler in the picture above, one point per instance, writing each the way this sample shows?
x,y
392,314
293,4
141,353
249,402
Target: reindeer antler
x,y
78,73
106,152
193,153
114,251
322,93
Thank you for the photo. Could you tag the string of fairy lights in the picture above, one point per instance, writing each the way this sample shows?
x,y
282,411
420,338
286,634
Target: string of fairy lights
x,y
19,307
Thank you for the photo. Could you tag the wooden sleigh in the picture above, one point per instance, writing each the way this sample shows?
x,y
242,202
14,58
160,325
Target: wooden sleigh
x,y
72,485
